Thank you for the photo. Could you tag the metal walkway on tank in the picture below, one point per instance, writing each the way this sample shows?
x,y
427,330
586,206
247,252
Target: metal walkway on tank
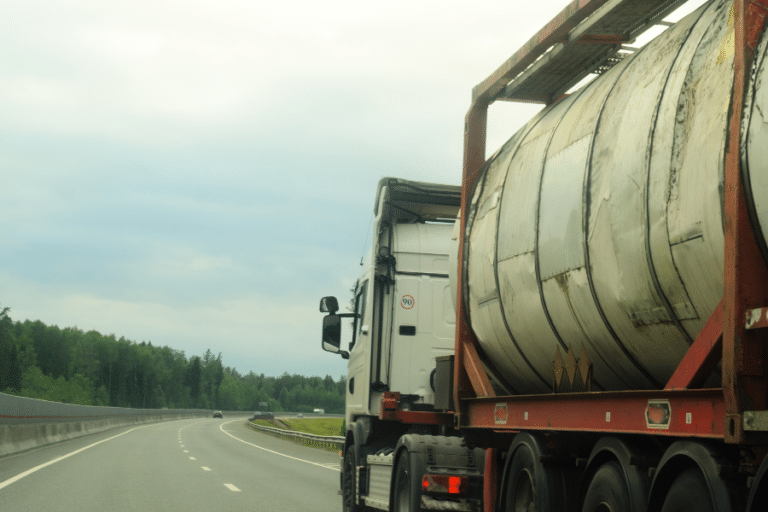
x,y
586,37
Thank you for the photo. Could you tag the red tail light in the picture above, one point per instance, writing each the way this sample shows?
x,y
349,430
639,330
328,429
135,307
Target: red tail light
x,y
443,484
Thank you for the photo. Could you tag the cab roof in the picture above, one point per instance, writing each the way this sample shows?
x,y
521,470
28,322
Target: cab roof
x,y
415,201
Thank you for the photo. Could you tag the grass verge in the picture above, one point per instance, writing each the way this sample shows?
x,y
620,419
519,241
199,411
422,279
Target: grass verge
x,y
318,426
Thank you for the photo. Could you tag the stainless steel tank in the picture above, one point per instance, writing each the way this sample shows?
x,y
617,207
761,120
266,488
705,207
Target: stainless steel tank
x,y
600,224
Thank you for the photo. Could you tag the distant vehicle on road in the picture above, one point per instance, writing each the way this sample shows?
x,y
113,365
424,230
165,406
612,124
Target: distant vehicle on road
x,y
301,415
218,414
319,411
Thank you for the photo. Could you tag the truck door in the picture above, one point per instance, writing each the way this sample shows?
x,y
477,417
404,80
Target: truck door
x,y
359,367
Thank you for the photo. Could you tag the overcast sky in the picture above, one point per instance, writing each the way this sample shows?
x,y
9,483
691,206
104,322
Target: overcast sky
x,y
199,173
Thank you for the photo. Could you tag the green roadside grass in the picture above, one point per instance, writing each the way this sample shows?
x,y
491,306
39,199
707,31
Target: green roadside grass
x,y
318,426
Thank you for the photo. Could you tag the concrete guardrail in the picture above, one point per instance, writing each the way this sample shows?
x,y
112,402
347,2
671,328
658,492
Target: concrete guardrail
x,y
27,423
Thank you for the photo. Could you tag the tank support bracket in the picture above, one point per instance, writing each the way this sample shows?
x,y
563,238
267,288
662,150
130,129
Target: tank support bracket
x,y
703,356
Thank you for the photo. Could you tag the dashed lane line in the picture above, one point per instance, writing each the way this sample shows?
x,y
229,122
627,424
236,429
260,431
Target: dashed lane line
x,y
231,487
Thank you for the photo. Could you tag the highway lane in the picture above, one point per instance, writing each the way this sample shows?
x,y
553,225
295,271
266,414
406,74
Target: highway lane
x,y
184,465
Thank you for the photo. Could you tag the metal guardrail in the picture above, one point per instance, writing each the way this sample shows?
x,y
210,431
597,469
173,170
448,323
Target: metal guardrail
x,y
331,443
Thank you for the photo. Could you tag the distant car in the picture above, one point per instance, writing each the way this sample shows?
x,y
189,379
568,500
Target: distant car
x,y
301,415
218,414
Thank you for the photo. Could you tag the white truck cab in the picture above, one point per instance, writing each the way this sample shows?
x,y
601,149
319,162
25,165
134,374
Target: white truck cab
x,y
404,313
403,320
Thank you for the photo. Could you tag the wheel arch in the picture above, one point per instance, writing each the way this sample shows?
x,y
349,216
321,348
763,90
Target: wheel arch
x,y
683,455
395,467
630,456
555,475
758,495
410,445
356,436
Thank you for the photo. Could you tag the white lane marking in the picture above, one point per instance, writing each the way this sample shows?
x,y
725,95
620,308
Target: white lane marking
x,y
54,461
186,451
192,458
205,468
231,487
276,453
182,446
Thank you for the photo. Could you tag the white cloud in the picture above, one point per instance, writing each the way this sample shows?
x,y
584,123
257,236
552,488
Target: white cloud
x,y
201,171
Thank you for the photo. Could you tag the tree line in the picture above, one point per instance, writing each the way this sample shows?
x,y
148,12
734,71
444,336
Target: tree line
x,y
89,368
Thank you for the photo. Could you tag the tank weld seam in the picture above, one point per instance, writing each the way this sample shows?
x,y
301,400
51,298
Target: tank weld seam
x,y
496,259
587,210
648,248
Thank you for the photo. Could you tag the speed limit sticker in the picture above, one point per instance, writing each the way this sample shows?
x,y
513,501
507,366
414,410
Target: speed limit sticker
x,y
407,302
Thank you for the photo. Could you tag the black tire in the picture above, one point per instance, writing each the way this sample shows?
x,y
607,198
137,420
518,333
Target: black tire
x,y
758,496
522,493
349,482
607,490
688,493
407,490
531,486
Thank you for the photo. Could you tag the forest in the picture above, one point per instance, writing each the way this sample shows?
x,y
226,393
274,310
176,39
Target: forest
x,y
89,368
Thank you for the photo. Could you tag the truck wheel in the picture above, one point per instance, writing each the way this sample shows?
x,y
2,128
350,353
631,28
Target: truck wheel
x,y
688,493
407,491
530,485
607,491
349,487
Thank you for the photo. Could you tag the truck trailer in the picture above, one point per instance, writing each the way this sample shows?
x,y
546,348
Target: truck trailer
x,y
582,325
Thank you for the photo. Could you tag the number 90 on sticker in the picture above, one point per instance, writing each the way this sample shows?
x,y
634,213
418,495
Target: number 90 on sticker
x,y
407,302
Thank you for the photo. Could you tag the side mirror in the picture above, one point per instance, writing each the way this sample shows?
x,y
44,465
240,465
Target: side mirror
x,y
329,305
332,335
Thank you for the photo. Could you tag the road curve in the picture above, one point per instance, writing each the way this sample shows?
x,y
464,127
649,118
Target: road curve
x,y
184,465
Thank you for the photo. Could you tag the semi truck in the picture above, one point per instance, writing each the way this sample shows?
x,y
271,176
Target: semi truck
x,y
582,324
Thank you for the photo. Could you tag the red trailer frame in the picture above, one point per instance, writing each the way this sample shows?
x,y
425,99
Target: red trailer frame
x,y
692,412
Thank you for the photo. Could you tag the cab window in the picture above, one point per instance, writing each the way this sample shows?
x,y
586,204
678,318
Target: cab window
x,y
360,297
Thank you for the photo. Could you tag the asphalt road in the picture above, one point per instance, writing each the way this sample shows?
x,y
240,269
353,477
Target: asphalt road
x,y
184,465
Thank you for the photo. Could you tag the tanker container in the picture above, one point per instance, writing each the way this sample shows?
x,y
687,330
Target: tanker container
x,y
598,227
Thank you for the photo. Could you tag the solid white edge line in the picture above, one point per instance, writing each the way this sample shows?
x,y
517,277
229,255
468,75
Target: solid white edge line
x,y
272,451
54,461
